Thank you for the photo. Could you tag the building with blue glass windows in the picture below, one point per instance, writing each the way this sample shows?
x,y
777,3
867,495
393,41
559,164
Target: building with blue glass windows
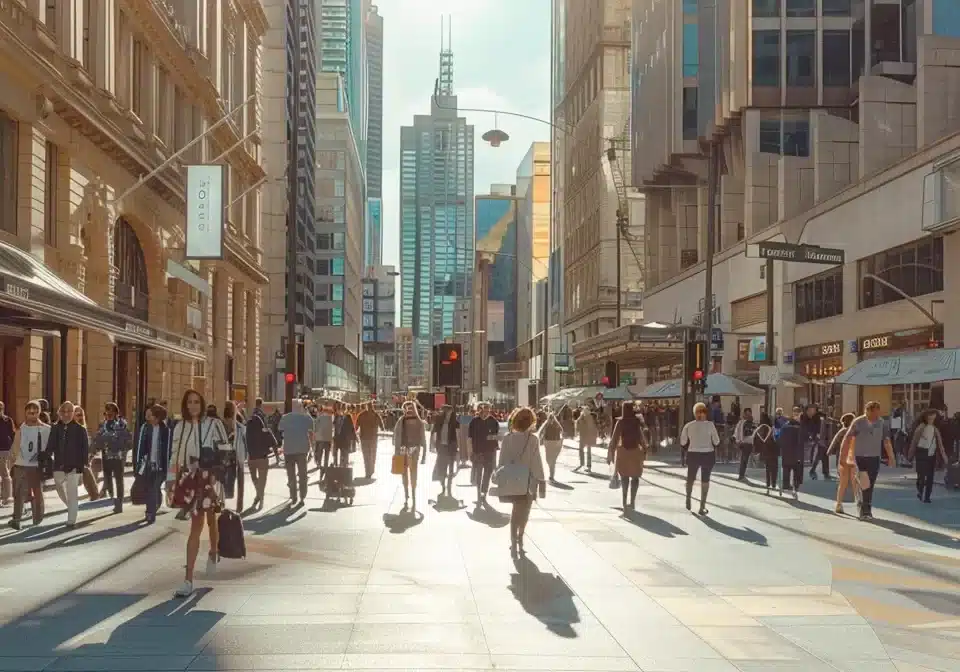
x,y
436,221
498,233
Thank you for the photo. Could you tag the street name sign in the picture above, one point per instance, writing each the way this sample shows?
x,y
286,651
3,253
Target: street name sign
x,y
809,254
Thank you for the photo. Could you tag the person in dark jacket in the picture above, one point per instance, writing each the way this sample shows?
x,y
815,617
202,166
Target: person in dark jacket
x,y
791,453
69,447
765,445
152,457
446,427
344,437
813,440
8,430
260,441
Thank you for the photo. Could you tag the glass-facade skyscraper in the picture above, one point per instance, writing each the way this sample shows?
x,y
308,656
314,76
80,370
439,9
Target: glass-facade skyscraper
x,y
436,223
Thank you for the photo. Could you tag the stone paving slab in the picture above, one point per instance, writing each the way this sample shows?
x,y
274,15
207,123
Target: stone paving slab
x,y
764,584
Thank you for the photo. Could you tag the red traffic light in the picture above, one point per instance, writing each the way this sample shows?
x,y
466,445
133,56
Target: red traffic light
x,y
373,395
289,378
605,381
698,374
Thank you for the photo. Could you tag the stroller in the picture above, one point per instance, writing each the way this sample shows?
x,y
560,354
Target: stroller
x,y
337,484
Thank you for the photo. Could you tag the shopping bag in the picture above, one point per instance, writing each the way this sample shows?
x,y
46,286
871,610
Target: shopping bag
x,y
398,464
231,544
138,491
90,484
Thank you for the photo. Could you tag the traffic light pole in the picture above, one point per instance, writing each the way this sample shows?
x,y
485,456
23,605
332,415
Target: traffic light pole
x,y
292,175
770,355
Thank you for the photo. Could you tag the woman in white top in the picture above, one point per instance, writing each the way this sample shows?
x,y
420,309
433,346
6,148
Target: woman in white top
x,y
194,467
700,438
521,446
925,444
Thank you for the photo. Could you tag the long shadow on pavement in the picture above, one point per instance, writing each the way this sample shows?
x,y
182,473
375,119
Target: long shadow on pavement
x,y
653,524
489,516
398,523
99,535
275,518
741,533
544,596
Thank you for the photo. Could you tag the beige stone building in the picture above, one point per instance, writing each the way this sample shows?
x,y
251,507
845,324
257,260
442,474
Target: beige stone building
x,y
97,301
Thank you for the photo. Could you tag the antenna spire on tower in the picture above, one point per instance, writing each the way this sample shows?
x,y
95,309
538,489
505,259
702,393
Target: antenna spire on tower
x,y
446,56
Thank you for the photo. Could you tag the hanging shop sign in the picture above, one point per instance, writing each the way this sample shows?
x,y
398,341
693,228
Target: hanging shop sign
x,y
205,211
808,254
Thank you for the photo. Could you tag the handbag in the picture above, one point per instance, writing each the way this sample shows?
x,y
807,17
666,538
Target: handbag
x,y
398,464
513,478
138,491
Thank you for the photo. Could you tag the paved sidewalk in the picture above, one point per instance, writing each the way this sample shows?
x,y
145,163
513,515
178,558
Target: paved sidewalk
x,y
763,584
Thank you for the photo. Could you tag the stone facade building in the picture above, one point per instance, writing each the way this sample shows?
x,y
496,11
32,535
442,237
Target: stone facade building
x,y
100,104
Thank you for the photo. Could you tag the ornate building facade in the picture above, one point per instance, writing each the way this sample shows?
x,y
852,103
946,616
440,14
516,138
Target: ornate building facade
x,y
102,104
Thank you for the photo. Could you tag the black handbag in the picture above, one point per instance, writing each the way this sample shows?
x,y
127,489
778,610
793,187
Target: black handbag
x,y
210,456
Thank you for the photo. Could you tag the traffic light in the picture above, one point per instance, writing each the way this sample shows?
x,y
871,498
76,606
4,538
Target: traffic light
x,y
611,375
289,378
448,365
698,358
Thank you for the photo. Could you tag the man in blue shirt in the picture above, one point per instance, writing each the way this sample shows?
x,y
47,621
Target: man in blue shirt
x,y
298,437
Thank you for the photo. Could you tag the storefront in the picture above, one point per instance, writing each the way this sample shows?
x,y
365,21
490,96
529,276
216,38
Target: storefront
x,y
914,398
820,364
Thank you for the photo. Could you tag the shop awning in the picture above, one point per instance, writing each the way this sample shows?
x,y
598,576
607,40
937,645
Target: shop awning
x,y
913,368
34,297
717,384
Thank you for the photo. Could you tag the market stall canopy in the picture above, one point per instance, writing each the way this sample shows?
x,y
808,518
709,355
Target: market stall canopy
x,y
717,384
925,366
580,395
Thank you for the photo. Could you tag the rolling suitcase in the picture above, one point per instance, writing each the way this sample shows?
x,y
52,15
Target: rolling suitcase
x,y
338,484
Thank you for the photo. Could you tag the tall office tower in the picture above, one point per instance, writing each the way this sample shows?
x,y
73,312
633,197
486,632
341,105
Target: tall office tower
x,y
594,110
436,219
373,239
558,178
291,33
341,48
533,234
498,234
339,269
379,325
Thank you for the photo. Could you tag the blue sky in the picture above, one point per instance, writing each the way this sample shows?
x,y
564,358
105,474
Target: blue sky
x,y
501,61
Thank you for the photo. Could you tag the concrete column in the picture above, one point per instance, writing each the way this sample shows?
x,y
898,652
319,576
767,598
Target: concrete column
x,y
29,371
253,343
148,88
31,186
217,392
951,318
100,372
74,365
103,35
69,29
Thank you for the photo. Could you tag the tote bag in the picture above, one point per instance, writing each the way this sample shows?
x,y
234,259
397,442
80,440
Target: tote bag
x,y
513,479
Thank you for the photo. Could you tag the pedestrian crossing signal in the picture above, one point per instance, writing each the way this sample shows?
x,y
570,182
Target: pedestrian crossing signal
x,y
698,362
448,365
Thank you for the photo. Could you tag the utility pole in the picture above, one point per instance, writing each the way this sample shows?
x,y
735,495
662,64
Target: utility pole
x,y
292,180
768,346
712,178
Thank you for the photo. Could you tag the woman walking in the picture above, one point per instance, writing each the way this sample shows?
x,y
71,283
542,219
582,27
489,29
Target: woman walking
x,y
628,447
409,440
195,468
446,427
925,444
520,454
765,445
587,429
551,436
701,440
845,462
152,457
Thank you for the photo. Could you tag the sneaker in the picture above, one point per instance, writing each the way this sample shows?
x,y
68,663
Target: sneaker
x,y
839,509
185,589
212,560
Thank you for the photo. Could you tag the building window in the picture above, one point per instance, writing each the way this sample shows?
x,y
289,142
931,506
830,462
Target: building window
x,y
338,241
766,8
337,292
323,267
323,241
819,297
836,7
801,8
689,113
836,58
691,50
915,268
162,119
790,138
946,18
766,58
336,266
8,168
801,58
136,78
689,6
51,179
336,316
338,188
88,18
51,15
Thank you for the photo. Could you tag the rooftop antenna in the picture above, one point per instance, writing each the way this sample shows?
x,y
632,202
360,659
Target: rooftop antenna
x,y
446,56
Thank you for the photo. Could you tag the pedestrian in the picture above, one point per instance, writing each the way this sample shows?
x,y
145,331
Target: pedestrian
x,y
872,439
114,441
409,440
811,433
323,436
628,450
369,426
69,447
260,441
701,440
8,430
29,441
344,436
765,445
743,435
446,426
791,453
588,432
520,457
551,437
297,431
485,440
925,444
234,458
845,460
152,458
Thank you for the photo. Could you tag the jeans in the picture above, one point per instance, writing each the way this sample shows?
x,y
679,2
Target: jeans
x,y
113,478
27,486
322,453
926,465
871,465
586,451
368,449
745,450
258,474
155,481
67,488
820,456
794,470
296,466
485,463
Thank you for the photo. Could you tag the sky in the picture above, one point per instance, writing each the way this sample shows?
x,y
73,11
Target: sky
x,y
501,61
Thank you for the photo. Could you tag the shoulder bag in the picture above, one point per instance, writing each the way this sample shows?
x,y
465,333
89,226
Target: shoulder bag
x,y
513,478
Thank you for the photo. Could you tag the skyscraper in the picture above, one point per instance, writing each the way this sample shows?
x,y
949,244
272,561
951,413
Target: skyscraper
x,y
375,104
292,24
436,219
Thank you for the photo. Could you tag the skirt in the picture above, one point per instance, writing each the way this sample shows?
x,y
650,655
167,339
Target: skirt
x,y
199,491
630,462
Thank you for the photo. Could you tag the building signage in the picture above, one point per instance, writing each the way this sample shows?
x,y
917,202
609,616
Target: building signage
x,y
907,340
139,330
809,254
875,342
205,212
16,291
819,351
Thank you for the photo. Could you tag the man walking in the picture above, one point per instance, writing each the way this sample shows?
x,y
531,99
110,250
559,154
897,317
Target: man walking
x,y
484,434
70,447
297,431
868,438
369,426
29,441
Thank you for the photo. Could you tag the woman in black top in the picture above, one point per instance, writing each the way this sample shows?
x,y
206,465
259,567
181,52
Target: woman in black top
x,y
765,445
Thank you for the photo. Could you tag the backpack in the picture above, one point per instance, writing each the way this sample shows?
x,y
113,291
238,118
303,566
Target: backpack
x,y
231,544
